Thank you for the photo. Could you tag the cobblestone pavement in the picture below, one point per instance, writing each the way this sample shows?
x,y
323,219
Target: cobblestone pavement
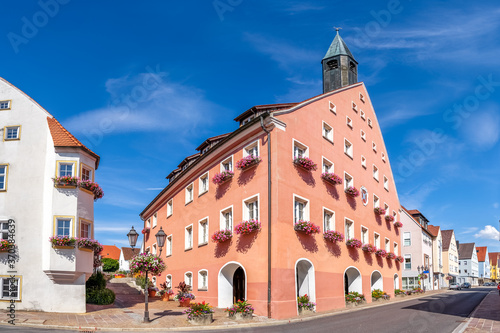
x,y
486,317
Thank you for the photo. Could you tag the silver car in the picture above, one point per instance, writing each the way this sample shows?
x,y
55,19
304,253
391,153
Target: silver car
x,y
455,286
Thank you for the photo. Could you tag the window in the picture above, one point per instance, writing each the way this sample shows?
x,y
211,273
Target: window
x,y
328,220
189,193
300,150
374,146
203,231
383,157
251,208
12,133
348,180
370,122
202,280
394,214
63,226
168,281
327,132
363,161
5,105
226,218
361,97
386,208
375,172
4,168
4,230
327,165
396,248
363,135
301,209
169,245
349,121
11,287
189,237
203,184
227,164
332,107
362,114
148,223
349,228
387,245
251,149
188,279
354,107
85,229
376,240
348,148
364,235
407,261
155,219
376,201
65,169
386,183
170,207
154,249
406,238
333,64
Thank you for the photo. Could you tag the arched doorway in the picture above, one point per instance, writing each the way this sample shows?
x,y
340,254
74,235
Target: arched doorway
x,y
396,281
352,281
232,284
305,279
377,281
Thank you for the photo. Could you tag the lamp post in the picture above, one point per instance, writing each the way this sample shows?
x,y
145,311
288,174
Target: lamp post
x,y
132,238
161,236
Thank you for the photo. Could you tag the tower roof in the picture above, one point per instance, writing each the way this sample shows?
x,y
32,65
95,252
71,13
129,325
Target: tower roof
x,y
338,47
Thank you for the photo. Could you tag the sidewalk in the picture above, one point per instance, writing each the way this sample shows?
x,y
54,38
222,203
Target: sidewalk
x,y
127,312
486,317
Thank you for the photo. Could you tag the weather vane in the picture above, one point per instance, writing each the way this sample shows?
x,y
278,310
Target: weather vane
x,y
337,28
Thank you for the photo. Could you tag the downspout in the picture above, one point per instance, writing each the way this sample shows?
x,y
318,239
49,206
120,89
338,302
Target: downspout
x,y
269,201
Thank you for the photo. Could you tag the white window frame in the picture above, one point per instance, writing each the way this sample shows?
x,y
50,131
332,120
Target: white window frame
x,y
386,208
305,208
5,175
4,279
148,223
4,229
6,104
169,245
85,167
254,146
188,278
154,247
363,161
370,123
328,135
301,146
363,135
348,180
396,248
348,228
365,235
376,201
223,222
348,121
170,207
383,157
201,286
201,189
188,237
386,183
361,97
246,203
189,191
375,172
362,114
348,148
404,238
376,240
407,256
354,106
374,146
168,280
71,219
6,130
330,225
229,162
387,245
155,219
332,107
327,165
73,168
203,237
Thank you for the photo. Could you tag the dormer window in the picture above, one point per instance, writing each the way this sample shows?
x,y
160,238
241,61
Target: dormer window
x,y
204,150
333,64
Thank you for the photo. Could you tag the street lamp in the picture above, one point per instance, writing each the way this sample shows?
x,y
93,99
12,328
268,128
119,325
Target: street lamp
x,y
161,236
132,237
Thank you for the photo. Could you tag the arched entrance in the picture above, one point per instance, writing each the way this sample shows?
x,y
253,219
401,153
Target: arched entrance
x,y
352,281
377,281
304,279
396,281
232,284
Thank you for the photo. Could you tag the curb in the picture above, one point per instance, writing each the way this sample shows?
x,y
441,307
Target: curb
x,y
463,326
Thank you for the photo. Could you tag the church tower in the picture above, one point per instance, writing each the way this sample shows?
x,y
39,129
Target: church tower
x,y
340,69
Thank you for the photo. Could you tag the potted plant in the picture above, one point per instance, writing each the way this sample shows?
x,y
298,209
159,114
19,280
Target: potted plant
x,y
200,314
92,187
305,163
306,226
183,295
331,178
381,253
305,305
222,177
247,227
354,243
62,242
391,255
352,191
240,310
378,294
399,293
165,292
152,290
354,298
147,262
400,259
369,248
398,224
89,244
5,245
333,236
146,230
248,162
379,211
65,181
220,236
389,218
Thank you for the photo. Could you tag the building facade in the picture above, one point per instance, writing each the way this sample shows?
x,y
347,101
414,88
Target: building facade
x,y
468,264
437,256
484,264
35,149
494,257
339,132
450,257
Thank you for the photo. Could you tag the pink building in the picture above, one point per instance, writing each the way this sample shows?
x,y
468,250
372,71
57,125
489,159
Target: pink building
x,y
339,132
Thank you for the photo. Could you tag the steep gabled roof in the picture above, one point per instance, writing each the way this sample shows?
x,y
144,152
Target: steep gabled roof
x,y
465,250
417,222
434,230
264,108
212,139
110,251
129,253
63,138
481,253
446,235
338,47
493,258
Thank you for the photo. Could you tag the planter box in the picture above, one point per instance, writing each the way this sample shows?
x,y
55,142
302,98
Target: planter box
x,y
64,185
307,169
242,316
86,249
400,295
63,247
354,304
185,304
165,297
202,319
305,312
250,166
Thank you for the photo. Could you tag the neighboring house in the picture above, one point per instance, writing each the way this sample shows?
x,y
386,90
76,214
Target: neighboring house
x,y
110,251
484,264
338,131
126,254
494,258
416,249
468,264
35,149
450,257
437,256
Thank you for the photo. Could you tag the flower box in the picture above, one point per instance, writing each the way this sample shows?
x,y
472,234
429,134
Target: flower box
x,y
389,218
5,245
200,313
400,259
240,310
87,244
354,243
305,163
146,230
381,253
391,255
352,191
369,248
247,162
222,177
66,181
242,316
354,299
306,227
305,312
379,211
333,236
398,224
247,227
63,241
204,319
331,178
92,188
221,236
305,305
63,247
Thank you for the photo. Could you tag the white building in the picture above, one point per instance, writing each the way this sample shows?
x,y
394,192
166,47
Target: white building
x,y
36,148
484,264
126,254
468,264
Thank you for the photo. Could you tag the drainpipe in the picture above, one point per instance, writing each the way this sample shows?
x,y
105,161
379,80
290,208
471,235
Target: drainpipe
x,y
268,217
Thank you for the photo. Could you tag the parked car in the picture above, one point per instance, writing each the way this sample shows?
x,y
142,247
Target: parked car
x,y
455,286
466,285
487,284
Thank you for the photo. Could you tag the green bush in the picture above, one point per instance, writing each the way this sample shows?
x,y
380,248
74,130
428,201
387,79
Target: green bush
x,y
99,296
96,281
110,265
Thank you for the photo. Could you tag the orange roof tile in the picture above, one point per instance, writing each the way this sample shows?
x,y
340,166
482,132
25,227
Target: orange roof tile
x,y
481,253
110,251
63,138
434,230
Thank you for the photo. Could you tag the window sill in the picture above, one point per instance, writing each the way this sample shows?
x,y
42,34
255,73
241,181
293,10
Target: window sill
x,y
199,195
168,255
386,189
331,141
187,203
202,289
364,166
12,139
348,155
376,179
169,215
203,244
188,249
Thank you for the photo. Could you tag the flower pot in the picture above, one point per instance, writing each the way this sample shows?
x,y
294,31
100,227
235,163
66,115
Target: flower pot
x,y
305,312
165,297
242,315
205,319
151,293
185,303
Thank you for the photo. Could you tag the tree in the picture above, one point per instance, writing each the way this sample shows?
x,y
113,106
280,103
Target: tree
x,y
110,265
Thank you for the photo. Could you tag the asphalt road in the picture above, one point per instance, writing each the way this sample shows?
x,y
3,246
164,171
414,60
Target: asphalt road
x,y
440,313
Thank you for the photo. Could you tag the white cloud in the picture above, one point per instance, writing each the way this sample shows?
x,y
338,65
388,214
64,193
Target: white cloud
x,y
489,232
469,230
482,129
114,229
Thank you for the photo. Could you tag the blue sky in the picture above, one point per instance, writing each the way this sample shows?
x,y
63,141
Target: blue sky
x,y
144,84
